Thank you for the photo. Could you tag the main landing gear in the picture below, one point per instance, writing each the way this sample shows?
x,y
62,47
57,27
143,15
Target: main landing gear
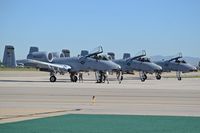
x,y
143,76
73,77
101,77
52,77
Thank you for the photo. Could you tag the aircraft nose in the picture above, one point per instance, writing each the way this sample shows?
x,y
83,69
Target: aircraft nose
x,y
157,68
115,67
191,68
118,67
194,69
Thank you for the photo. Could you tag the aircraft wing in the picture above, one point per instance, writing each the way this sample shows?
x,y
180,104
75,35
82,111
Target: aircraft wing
x,y
52,66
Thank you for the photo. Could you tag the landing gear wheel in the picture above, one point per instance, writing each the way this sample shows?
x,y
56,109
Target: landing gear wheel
x,y
158,77
75,79
122,78
142,79
178,75
52,79
145,76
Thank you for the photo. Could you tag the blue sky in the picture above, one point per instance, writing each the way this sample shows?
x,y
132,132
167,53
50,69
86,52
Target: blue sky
x,y
161,27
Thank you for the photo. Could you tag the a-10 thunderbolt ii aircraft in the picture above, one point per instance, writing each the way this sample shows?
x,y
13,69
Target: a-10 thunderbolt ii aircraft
x,y
138,63
73,65
175,64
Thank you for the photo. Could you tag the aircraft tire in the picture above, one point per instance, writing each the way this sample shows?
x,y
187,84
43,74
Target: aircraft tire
x,y
122,78
142,79
52,79
75,78
179,78
158,77
145,76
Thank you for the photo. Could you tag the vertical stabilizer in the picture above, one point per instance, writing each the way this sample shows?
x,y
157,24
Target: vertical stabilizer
x,y
126,55
66,52
9,56
33,49
112,55
84,52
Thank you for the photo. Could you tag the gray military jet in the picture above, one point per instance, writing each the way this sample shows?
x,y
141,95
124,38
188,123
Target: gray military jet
x,y
73,65
175,64
138,63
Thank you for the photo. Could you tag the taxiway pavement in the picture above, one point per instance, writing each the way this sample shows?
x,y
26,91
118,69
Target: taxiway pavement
x,y
27,95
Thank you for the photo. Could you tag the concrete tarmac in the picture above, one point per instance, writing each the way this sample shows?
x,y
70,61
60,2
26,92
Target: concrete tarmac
x,y
27,95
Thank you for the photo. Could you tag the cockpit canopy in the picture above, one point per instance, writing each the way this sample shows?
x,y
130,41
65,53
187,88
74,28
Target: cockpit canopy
x,y
144,59
140,53
101,57
180,61
96,50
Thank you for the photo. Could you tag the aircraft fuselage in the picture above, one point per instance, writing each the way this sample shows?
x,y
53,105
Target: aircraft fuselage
x,y
173,66
136,65
87,64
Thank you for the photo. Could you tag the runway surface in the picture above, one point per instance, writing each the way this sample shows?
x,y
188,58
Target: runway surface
x,y
28,95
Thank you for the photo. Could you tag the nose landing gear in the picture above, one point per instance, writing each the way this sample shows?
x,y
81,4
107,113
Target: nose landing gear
x,y
119,76
178,75
73,77
158,76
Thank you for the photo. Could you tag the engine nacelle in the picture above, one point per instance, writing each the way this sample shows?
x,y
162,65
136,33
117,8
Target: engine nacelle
x,y
58,54
41,56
